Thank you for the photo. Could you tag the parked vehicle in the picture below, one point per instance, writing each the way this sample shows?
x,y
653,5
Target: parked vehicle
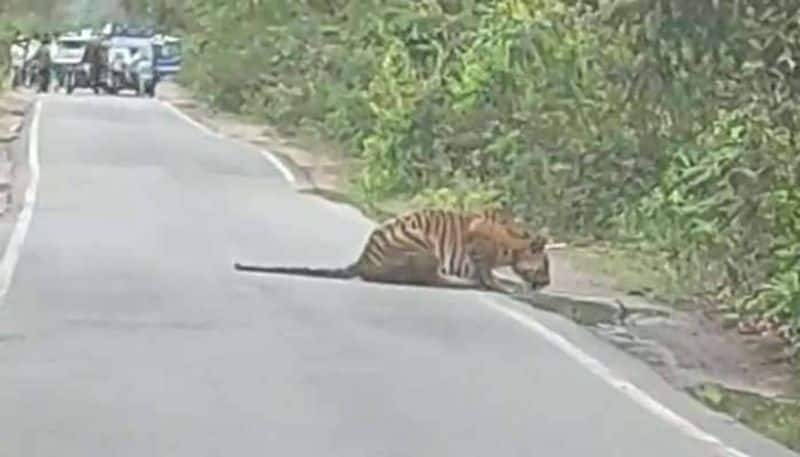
x,y
131,65
68,57
89,72
117,29
168,55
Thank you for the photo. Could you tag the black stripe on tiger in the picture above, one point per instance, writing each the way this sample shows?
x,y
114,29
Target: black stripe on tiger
x,y
409,234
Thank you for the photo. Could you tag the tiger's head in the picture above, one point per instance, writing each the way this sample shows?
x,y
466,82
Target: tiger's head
x,y
532,264
517,246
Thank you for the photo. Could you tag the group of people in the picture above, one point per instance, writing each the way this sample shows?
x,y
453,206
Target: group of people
x,y
31,60
35,62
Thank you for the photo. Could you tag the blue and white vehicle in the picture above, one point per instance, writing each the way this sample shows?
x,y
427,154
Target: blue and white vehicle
x,y
168,55
131,65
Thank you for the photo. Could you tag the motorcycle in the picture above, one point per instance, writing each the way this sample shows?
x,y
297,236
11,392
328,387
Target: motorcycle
x,y
43,80
79,75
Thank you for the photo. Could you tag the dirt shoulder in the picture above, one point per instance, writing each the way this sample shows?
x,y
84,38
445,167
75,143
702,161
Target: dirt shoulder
x,y
688,347
15,106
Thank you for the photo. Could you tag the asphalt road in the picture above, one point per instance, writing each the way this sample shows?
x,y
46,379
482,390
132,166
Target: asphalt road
x,y
126,331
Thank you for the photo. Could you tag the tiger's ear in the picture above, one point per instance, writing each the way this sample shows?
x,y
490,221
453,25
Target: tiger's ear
x,y
540,239
538,243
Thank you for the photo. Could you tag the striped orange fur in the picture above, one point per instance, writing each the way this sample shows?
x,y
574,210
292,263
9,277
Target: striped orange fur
x,y
442,248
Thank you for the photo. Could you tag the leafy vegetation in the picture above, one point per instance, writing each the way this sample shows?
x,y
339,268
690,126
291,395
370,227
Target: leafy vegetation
x,y
668,125
775,418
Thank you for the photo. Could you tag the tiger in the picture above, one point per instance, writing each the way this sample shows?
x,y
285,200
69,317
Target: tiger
x,y
441,248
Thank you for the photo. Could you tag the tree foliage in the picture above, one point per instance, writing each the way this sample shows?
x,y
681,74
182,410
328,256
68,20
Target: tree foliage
x,y
666,123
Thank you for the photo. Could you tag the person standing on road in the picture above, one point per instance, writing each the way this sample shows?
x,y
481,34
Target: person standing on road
x,y
32,49
56,75
94,57
17,59
44,60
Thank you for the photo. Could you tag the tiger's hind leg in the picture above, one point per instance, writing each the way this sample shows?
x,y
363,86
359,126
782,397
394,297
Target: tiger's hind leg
x,y
414,268
425,268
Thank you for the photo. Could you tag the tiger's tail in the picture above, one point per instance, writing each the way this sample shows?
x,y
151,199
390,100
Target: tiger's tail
x,y
334,273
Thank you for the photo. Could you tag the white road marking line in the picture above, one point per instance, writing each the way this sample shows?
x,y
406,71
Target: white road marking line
x,y
603,372
282,168
591,364
11,255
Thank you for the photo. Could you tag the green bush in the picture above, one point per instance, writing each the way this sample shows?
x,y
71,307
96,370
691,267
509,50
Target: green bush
x,y
664,123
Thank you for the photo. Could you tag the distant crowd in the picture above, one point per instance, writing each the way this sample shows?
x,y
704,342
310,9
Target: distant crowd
x,y
31,58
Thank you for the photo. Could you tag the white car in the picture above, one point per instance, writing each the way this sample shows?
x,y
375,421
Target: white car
x,y
68,50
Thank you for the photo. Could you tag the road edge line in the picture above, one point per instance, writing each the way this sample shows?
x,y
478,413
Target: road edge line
x,y
605,373
271,158
13,249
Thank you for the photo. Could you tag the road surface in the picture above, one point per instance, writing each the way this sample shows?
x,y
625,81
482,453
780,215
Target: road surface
x,y
126,331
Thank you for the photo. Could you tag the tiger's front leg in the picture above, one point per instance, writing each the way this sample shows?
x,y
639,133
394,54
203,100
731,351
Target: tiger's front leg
x,y
488,281
519,286
485,277
482,253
